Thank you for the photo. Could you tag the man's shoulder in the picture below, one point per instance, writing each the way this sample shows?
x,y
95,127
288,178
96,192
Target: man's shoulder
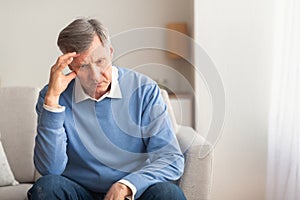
x,y
135,84
129,75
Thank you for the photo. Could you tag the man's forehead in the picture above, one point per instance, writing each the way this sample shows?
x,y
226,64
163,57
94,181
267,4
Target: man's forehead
x,y
82,57
88,56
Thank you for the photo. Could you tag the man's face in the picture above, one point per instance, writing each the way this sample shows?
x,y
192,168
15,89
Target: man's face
x,y
94,68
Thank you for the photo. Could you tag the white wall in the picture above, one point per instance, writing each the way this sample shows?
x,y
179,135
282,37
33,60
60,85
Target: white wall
x,y
237,36
29,30
235,33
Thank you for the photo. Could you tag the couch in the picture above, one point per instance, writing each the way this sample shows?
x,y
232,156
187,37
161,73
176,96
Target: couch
x,y
18,129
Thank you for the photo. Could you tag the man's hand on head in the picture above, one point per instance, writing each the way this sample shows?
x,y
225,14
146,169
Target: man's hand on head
x,y
58,81
118,191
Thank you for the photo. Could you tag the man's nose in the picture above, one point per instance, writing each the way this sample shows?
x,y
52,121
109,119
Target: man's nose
x,y
95,73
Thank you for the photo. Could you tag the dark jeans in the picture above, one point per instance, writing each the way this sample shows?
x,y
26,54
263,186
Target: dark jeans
x,y
52,187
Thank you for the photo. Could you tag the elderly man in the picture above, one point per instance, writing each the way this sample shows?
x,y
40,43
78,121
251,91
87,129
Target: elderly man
x,y
103,131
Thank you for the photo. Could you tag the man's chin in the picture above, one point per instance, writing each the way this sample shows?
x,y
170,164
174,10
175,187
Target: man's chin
x,y
101,90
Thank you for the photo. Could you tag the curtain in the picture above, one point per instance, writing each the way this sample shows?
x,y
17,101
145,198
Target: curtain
x,y
283,182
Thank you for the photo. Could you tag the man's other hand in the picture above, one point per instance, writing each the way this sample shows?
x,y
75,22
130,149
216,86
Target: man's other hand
x,y
118,191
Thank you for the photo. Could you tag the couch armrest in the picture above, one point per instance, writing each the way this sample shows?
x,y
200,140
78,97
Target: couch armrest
x,y
197,178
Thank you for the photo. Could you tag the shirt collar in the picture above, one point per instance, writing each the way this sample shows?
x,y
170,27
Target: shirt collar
x,y
114,92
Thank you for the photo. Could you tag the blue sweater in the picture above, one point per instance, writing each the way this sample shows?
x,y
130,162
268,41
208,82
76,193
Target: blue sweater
x,y
98,143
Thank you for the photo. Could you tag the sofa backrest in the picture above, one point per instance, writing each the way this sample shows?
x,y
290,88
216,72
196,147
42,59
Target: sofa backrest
x,y
18,129
166,99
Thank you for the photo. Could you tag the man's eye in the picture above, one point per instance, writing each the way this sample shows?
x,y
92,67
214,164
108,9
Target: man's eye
x,y
99,61
84,65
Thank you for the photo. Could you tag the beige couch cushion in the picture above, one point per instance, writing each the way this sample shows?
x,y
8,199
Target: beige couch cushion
x,y
17,125
18,192
6,175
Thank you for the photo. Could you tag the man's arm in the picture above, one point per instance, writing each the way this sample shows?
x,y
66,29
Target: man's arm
x,y
50,149
166,159
50,143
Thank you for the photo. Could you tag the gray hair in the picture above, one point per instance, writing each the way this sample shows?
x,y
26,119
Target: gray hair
x,y
79,34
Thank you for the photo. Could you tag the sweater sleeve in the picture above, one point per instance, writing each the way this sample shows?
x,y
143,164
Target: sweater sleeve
x,y
166,162
50,155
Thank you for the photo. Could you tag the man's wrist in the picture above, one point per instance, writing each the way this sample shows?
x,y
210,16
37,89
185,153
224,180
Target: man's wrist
x,y
126,189
52,101
131,187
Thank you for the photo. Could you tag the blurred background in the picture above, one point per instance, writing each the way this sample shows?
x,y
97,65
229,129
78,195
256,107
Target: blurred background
x,y
236,34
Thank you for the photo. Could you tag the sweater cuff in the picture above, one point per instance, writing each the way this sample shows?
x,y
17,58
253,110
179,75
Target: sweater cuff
x,y
131,186
56,110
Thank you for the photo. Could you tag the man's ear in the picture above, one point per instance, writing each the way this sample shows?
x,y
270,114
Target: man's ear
x,y
111,52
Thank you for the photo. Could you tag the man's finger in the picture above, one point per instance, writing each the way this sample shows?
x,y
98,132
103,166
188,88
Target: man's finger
x,y
64,60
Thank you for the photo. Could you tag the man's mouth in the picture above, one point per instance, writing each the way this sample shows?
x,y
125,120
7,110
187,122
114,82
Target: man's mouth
x,y
101,83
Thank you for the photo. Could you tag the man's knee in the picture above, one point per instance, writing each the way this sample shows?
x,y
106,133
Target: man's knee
x,y
164,190
46,185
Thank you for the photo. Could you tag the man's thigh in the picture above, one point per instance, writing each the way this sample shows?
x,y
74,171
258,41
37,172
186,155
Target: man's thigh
x,y
59,187
163,191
